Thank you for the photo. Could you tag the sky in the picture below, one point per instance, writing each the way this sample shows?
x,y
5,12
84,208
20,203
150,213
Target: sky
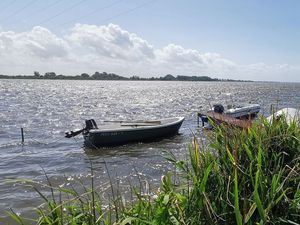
x,y
230,39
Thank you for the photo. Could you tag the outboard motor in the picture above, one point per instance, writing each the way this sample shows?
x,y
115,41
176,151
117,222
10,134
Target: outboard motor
x,y
218,108
90,124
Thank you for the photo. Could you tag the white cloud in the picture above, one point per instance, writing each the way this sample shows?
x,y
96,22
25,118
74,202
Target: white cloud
x,y
108,42
39,43
87,48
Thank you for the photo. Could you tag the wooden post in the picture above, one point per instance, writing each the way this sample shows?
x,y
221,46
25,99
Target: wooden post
x,y
22,133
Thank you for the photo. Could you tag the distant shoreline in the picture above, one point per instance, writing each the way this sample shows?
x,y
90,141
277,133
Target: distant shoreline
x,y
112,76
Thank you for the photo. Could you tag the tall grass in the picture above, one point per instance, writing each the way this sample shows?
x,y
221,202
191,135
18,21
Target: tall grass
x,y
243,177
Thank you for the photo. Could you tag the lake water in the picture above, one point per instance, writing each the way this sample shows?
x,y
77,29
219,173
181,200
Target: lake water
x,y
48,108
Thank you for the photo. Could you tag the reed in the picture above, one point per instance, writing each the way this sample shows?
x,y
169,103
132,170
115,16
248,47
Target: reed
x,y
242,177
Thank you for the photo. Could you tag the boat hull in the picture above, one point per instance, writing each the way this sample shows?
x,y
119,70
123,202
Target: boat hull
x,y
102,138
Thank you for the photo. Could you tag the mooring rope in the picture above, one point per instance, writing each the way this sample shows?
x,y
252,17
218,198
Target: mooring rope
x,y
49,143
27,139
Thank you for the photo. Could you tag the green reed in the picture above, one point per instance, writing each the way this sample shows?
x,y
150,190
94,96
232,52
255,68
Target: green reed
x,y
242,177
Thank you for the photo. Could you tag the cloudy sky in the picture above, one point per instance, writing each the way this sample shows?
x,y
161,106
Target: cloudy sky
x,y
237,39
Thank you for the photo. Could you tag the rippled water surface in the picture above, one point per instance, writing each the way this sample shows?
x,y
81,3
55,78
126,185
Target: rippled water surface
x,y
47,108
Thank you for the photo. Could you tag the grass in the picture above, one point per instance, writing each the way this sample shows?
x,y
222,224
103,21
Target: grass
x,y
243,177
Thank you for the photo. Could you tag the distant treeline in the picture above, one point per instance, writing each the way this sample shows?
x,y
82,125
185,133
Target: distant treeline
x,y
111,76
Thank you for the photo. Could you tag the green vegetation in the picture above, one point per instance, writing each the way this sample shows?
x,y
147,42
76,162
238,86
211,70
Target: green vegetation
x,y
242,177
109,76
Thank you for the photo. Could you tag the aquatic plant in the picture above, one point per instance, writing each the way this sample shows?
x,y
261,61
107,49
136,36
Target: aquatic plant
x,y
249,176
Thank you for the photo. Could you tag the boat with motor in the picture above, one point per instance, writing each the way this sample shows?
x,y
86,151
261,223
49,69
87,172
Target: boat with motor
x,y
113,133
239,111
240,116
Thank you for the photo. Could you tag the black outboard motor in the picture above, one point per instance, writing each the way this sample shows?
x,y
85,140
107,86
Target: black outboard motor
x,y
218,108
90,124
